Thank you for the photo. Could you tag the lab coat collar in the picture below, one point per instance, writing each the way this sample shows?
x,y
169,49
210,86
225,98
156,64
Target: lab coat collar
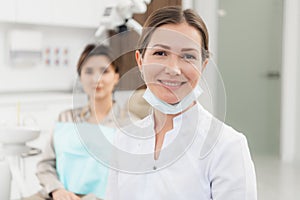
x,y
195,110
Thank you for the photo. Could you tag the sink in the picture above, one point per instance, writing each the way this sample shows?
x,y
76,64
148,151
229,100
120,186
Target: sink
x,y
13,139
18,135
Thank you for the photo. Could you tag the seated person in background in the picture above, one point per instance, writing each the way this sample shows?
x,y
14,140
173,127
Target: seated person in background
x,y
98,75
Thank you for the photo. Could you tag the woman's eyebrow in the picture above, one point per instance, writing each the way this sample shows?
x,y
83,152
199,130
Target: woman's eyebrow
x,y
190,49
169,48
96,67
162,46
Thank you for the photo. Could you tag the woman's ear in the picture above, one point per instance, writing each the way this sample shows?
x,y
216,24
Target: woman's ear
x,y
138,58
204,64
117,78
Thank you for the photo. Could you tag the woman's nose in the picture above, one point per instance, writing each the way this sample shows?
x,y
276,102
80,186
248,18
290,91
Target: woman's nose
x,y
173,67
96,78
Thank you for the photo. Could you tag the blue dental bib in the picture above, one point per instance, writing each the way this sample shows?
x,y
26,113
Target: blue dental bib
x,y
78,165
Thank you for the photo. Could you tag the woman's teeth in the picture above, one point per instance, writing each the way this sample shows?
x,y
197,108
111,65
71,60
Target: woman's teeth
x,y
172,84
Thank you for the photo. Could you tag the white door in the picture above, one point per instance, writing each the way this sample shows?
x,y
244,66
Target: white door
x,y
249,59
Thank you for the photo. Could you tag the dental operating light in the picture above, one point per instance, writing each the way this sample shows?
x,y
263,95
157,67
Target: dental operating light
x,y
121,14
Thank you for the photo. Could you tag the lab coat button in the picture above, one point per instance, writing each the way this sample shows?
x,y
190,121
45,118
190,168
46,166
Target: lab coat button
x,y
154,167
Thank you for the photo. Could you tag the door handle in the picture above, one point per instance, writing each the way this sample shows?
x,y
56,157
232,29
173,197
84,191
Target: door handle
x,y
273,75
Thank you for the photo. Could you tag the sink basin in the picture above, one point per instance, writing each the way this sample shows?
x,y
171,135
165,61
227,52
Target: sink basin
x,y
18,134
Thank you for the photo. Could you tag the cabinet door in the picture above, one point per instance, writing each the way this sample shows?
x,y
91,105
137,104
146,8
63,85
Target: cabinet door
x,y
34,11
7,10
79,13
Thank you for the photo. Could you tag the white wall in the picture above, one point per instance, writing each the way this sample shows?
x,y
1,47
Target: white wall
x,y
290,109
290,83
208,10
41,77
298,112
298,94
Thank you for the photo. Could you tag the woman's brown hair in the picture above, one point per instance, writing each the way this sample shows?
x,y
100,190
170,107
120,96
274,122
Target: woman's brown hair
x,y
173,15
94,50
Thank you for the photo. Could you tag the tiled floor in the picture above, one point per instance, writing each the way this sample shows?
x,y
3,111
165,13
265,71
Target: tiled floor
x,y
277,180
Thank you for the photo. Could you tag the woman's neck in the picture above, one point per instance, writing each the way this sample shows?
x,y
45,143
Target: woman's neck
x,y
163,121
100,108
162,124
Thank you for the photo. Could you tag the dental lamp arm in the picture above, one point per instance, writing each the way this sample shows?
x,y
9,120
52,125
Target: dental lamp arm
x,y
120,14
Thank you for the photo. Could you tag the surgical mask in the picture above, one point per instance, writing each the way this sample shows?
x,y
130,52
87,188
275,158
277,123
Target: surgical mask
x,y
166,108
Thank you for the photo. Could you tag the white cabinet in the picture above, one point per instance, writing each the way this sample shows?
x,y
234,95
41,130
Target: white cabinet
x,y
82,13
34,11
79,13
7,10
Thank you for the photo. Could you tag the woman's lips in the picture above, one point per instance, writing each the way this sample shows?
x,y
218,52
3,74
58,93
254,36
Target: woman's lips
x,y
98,88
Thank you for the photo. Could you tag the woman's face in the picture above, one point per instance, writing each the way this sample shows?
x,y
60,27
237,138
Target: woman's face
x,y
98,77
172,62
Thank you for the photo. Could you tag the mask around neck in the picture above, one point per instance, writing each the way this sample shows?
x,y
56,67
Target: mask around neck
x,y
166,108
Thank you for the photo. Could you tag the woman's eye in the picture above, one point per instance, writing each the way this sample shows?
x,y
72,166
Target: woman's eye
x,y
188,56
89,71
104,70
160,53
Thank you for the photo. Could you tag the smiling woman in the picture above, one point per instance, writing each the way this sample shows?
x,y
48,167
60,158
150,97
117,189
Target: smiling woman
x,y
180,151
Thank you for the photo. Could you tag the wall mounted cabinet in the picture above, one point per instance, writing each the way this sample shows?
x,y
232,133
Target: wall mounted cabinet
x,y
81,13
7,10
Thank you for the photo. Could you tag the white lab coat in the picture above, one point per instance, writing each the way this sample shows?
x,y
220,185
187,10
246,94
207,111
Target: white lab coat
x,y
213,162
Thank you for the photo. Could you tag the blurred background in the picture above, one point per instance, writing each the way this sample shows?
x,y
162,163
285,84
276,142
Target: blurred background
x,y
255,47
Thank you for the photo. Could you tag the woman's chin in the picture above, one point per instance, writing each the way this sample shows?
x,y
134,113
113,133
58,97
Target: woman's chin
x,y
171,100
97,96
169,97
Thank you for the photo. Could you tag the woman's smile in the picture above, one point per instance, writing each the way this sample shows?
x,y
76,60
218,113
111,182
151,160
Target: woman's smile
x,y
171,84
